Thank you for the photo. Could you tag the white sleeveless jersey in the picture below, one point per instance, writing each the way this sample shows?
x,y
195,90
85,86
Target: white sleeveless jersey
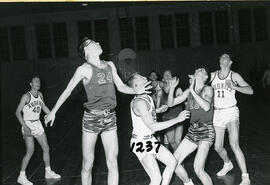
x,y
224,95
31,110
139,127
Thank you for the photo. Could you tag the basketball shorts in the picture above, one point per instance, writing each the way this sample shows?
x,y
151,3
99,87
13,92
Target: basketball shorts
x,y
223,116
143,145
35,127
99,121
204,133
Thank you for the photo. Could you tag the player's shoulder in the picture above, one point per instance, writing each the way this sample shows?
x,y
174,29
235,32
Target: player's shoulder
x,y
208,89
235,75
40,94
26,96
110,63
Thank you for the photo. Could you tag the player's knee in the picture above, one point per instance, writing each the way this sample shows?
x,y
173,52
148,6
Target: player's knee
x,y
218,148
30,150
87,163
234,146
172,164
112,162
198,170
156,178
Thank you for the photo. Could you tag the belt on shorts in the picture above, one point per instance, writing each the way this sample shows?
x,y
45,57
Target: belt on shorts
x,y
142,137
32,121
224,107
100,112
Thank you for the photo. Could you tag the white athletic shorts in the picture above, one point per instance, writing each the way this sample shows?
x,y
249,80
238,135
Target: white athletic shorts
x,y
141,147
35,127
223,116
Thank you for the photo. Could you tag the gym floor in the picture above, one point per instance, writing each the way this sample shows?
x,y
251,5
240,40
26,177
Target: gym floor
x,y
65,148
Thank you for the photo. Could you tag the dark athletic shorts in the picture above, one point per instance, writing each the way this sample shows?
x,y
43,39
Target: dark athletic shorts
x,y
99,121
204,133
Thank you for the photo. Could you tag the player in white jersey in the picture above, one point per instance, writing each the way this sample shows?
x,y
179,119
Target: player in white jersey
x,y
143,144
31,105
226,115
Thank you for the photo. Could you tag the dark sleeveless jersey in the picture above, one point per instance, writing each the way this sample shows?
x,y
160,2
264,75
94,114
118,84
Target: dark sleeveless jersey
x,y
100,89
198,114
172,112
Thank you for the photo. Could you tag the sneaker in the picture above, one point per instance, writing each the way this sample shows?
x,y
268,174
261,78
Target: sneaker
x,y
189,183
22,179
226,168
52,175
245,180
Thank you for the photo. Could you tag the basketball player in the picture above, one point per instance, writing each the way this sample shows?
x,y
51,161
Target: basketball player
x,y
201,133
98,77
226,115
31,105
173,135
156,84
143,144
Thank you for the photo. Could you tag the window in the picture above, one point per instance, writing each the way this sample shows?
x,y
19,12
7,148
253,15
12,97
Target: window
x,y
244,19
182,29
84,29
4,45
206,28
101,34
260,24
222,27
166,31
142,33
43,40
126,33
17,36
60,39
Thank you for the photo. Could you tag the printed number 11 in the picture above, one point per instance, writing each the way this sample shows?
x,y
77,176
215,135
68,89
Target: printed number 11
x,y
220,94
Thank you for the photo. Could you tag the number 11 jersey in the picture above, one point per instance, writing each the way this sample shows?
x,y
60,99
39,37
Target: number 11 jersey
x,y
224,95
31,110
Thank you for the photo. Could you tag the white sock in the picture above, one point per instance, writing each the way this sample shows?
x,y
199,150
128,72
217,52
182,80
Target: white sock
x,y
22,173
48,168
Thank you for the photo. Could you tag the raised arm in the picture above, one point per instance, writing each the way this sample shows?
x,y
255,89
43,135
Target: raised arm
x,y
77,77
123,87
177,100
44,107
241,85
140,108
24,99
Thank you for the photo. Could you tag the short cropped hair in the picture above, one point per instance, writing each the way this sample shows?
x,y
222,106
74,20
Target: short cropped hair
x,y
84,42
131,78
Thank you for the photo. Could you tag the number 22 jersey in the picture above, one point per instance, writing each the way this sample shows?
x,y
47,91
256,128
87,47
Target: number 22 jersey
x,y
224,95
31,110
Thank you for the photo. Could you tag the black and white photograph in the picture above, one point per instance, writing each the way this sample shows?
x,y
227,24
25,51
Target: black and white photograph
x,y
135,93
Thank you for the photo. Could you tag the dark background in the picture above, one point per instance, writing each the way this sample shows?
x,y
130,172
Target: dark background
x,y
42,38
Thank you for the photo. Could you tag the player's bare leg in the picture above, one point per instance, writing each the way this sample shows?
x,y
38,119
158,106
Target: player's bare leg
x,y
151,167
167,158
185,148
199,163
219,147
88,150
49,174
233,129
110,143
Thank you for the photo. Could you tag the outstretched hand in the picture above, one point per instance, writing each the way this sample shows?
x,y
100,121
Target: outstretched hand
x,y
183,116
143,89
49,118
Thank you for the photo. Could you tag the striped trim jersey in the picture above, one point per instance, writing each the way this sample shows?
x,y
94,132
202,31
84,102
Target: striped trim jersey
x,y
224,95
139,127
31,110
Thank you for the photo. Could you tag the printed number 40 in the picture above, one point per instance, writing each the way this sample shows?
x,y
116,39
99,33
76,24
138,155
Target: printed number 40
x,y
36,110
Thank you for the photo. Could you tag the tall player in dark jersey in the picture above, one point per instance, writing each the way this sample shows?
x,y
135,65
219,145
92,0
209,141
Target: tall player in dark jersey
x,y
98,77
201,133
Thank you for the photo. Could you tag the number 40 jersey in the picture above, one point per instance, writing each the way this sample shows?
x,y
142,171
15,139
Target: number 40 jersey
x,y
31,110
224,95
